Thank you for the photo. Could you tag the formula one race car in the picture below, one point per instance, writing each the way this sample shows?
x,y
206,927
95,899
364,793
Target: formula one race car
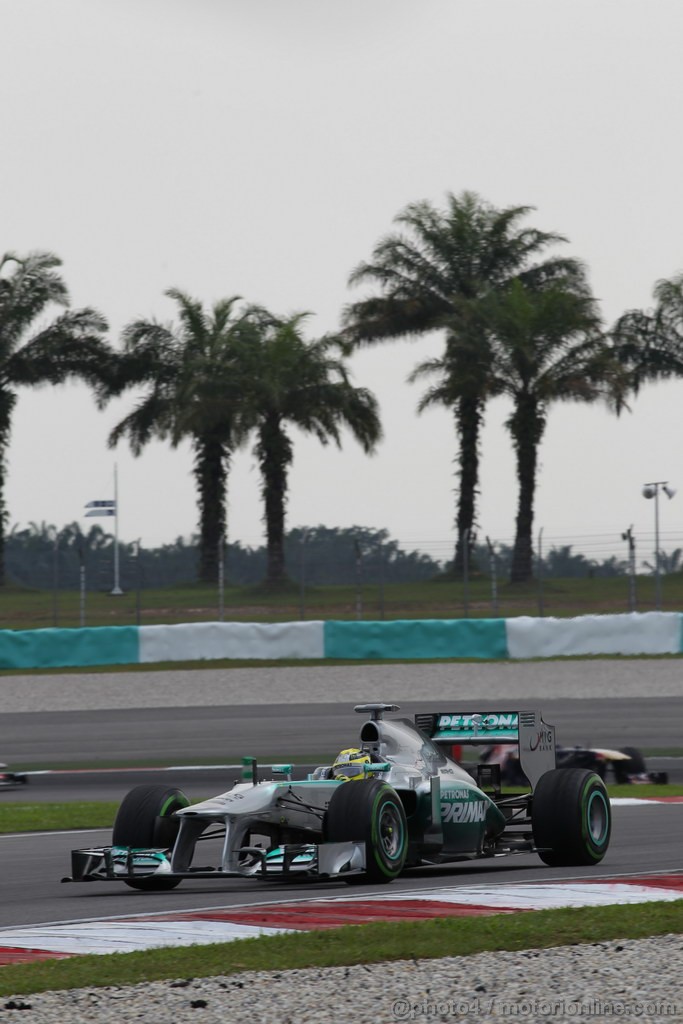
x,y
402,802
627,764
8,780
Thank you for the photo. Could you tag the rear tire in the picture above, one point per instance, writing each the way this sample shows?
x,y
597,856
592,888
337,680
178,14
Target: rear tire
x,y
145,819
370,812
634,766
571,817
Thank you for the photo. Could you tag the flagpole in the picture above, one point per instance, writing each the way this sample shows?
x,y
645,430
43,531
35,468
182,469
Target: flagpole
x,y
102,507
117,589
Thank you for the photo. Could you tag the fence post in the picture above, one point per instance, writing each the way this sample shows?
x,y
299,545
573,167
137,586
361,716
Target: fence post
x,y
55,579
630,539
380,554
466,572
493,567
221,578
138,581
302,574
81,574
359,580
541,605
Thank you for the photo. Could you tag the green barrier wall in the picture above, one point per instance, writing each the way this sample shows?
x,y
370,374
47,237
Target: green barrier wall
x,y
410,638
54,648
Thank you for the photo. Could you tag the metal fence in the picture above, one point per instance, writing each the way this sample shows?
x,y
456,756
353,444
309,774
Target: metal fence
x,y
364,580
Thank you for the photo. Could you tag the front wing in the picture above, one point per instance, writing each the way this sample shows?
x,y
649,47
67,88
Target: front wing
x,y
123,863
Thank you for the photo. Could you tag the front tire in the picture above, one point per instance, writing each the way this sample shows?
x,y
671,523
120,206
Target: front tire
x,y
145,819
571,817
370,812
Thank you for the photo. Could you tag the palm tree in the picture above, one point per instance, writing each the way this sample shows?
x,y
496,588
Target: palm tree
x,y
70,346
666,561
289,380
547,347
650,342
190,373
429,274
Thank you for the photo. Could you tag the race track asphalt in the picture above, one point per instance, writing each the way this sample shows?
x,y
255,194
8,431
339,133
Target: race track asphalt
x,y
645,839
220,715
211,716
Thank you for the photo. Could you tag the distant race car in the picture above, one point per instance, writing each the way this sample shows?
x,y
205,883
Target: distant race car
x,y
8,780
411,805
626,765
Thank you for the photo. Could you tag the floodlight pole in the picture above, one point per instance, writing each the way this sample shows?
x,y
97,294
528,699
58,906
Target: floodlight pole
x,y
651,490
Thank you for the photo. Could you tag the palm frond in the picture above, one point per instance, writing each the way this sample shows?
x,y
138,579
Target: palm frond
x,y
71,346
192,316
151,418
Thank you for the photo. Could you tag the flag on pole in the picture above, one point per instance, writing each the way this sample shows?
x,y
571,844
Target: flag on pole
x,y
101,508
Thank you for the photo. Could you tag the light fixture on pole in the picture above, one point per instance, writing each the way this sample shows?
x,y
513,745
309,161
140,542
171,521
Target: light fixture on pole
x,y
651,490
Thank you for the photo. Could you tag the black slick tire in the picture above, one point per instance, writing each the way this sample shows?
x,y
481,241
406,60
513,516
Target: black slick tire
x,y
371,812
145,819
571,817
635,765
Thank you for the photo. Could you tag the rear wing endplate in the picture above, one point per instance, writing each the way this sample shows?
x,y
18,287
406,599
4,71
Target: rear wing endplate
x,y
534,737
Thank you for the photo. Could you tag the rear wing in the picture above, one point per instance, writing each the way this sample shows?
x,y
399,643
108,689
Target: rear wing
x,y
534,737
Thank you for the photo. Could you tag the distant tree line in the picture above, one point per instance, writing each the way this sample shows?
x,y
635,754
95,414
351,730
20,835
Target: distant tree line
x,y
558,563
43,557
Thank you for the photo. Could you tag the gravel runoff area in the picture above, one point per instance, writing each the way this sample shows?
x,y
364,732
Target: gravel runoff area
x,y
324,684
631,979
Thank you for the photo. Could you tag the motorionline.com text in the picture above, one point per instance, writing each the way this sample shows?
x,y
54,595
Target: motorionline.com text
x,y
407,1009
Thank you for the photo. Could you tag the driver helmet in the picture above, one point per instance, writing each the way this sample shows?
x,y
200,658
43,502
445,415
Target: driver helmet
x,y
347,765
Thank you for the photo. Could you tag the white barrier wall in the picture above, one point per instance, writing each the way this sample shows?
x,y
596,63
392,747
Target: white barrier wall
x,y
636,633
193,641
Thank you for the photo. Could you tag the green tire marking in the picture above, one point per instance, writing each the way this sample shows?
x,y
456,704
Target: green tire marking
x,y
163,813
590,842
379,862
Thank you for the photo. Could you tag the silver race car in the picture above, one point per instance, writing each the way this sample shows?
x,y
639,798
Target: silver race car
x,y
398,800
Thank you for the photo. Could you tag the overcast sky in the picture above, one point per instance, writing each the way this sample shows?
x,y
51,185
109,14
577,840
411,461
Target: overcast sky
x,y
261,148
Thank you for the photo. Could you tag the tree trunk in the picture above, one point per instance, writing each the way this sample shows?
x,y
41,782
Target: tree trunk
x,y
468,418
526,425
211,474
7,400
275,455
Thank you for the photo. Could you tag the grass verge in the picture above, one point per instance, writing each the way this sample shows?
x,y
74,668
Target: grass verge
x,y
259,663
53,817
645,790
124,765
441,597
351,945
